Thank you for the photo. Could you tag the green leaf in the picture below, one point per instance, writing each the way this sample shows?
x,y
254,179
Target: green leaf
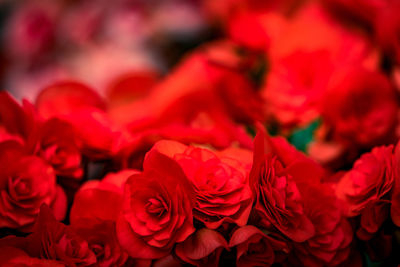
x,y
301,137
369,263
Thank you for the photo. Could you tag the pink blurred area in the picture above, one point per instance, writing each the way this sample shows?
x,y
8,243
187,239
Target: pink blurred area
x,y
90,41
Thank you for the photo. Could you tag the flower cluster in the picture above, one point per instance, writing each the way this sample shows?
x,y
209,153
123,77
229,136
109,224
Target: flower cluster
x,y
275,145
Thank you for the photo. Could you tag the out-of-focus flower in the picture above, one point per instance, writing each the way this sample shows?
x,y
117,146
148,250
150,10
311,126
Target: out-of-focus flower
x,y
32,29
295,86
311,29
17,122
85,110
360,11
217,70
206,111
387,30
360,107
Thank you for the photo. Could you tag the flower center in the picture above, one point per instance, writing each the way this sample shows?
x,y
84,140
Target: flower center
x,y
98,250
23,187
155,206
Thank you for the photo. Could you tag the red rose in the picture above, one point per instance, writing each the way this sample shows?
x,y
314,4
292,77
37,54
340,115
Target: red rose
x,y
157,209
278,203
220,180
330,246
255,248
361,108
54,241
24,189
369,181
202,248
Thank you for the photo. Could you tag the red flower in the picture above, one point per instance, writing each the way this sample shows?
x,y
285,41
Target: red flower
x,y
64,98
201,112
277,168
59,145
295,85
94,213
16,122
202,248
157,209
330,246
255,248
54,241
32,29
85,110
247,30
370,180
102,240
24,189
100,200
131,86
373,216
361,108
220,180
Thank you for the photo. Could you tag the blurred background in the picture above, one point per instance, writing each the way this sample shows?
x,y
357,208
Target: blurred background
x,y
322,73
94,41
